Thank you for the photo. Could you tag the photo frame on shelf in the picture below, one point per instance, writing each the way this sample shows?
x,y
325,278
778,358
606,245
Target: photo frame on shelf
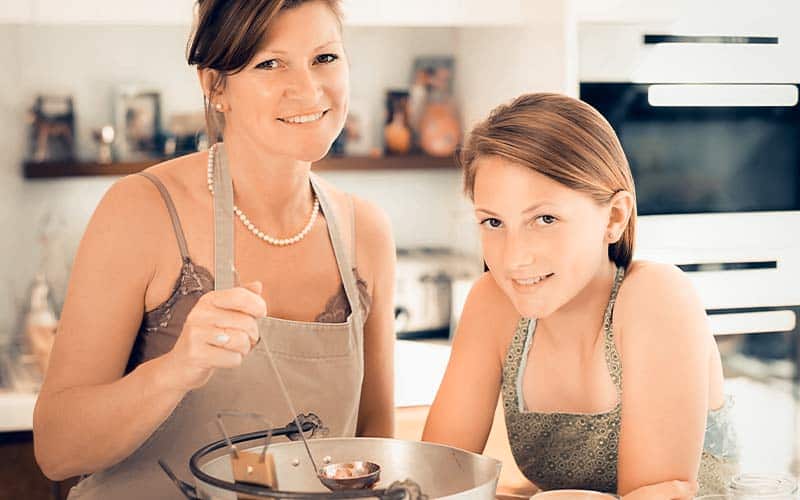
x,y
137,119
52,128
433,114
434,73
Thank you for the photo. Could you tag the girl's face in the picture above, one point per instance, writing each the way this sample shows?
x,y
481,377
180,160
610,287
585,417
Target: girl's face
x,y
292,97
543,242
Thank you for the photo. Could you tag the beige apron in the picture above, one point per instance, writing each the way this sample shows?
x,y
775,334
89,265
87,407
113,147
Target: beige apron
x,y
321,364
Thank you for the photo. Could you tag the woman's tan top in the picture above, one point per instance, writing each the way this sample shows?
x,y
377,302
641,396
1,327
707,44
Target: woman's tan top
x,y
580,451
308,356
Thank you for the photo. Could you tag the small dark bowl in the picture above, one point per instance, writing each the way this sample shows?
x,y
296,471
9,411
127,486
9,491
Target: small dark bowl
x,y
357,475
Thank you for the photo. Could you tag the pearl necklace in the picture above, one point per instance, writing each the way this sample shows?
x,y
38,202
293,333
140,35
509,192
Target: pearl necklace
x,y
252,227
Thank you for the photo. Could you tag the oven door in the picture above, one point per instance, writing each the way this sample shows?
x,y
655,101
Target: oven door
x,y
706,148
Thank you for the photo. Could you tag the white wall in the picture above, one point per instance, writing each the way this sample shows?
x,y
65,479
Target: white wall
x,y
497,64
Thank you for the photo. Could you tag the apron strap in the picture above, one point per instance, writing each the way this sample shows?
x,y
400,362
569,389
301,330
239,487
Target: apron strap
x,y
223,221
339,251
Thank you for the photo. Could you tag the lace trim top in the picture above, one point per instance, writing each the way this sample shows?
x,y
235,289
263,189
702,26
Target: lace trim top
x,y
162,325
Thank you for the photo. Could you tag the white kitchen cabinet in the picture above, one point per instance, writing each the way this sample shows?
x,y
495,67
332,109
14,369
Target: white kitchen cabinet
x,y
616,52
433,13
15,11
695,16
630,10
612,48
141,12
453,13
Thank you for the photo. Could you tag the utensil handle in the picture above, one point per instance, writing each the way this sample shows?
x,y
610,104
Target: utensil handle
x,y
187,489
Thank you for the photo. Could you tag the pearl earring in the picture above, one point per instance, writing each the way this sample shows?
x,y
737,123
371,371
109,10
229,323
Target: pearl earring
x,y
218,107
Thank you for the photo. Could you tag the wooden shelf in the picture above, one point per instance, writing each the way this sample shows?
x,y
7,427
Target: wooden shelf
x,y
50,169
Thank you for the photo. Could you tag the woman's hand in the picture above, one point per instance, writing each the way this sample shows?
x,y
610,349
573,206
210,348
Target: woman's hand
x,y
668,490
219,331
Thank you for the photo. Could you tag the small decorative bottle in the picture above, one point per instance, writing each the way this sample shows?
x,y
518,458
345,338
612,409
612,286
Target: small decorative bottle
x,y
40,323
396,133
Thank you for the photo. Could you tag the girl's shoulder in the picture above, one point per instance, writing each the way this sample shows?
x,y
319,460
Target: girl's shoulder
x,y
653,284
658,304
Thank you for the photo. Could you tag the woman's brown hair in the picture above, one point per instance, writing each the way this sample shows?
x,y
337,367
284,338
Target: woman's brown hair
x,y
563,138
226,36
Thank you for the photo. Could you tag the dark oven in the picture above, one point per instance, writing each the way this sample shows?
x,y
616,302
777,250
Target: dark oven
x,y
706,148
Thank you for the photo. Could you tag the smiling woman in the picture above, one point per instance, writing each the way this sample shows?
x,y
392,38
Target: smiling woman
x,y
158,333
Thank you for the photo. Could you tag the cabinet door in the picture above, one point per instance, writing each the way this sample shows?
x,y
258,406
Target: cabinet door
x,y
426,13
16,11
494,13
144,12
630,10
617,53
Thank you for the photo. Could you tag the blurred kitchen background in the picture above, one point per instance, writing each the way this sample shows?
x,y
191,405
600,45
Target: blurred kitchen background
x,y
703,95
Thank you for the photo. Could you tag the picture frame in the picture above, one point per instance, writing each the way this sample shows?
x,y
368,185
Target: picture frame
x,y
52,128
434,74
137,119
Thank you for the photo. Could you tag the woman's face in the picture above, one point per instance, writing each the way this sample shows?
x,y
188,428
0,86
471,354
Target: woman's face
x,y
292,97
543,242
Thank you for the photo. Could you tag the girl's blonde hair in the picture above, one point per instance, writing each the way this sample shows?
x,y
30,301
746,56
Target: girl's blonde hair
x,y
560,137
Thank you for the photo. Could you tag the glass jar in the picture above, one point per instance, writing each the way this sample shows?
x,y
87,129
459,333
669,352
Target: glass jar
x,y
758,486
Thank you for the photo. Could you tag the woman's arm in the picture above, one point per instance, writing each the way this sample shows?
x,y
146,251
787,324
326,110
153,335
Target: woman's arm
x,y
84,393
464,408
88,416
665,346
376,413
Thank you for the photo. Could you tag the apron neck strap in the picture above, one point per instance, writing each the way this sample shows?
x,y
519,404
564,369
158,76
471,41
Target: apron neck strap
x,y
223,221
340,252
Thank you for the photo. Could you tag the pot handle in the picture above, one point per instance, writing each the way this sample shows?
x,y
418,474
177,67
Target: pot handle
x,y
404,490
187,489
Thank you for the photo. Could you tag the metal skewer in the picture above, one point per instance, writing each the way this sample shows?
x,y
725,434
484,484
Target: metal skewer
x,y
284,392
291,407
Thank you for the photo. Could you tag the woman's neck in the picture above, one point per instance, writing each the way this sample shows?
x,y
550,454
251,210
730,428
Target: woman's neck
x,y
272,190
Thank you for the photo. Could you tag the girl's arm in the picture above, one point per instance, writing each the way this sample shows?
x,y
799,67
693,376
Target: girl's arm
x,y
665,347
463,410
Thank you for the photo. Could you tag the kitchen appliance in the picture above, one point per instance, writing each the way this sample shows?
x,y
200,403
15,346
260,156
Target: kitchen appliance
x,y
710,123
736,154
711,128
423,292
410,469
